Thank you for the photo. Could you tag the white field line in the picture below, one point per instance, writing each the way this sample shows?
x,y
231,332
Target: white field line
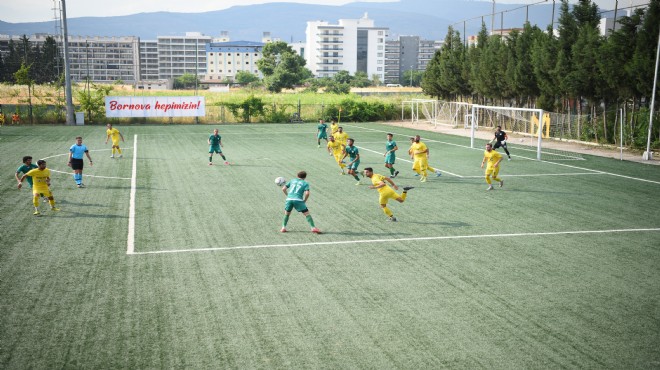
x,y
543,161
381,241
97,176
406,160
130,239
540,174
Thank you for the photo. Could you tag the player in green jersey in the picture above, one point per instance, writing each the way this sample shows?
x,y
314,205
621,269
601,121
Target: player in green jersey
x,y
322,132
390,156
297,193
354,155
215,145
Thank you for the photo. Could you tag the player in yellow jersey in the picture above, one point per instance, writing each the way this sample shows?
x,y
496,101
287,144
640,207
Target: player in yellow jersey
x,y
40,186
334,126
115,135
493,167
385,192
420,154
341,136
336,149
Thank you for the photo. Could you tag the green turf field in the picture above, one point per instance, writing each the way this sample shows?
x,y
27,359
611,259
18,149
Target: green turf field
x,y
166,262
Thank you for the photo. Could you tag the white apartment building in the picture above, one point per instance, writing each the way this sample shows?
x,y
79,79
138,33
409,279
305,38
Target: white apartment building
x,y
408,53
148,60
351,45
178,55
225,59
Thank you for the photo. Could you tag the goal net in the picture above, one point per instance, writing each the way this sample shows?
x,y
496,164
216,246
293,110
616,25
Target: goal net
x,y
435,112
529,132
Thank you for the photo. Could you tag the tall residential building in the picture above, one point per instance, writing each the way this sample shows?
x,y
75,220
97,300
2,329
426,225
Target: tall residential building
x,y
148,60
408,53
351,45
178,55
225,59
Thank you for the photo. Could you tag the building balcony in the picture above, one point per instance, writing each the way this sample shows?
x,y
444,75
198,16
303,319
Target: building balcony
x,y
329,34
330,42
329,49
330,64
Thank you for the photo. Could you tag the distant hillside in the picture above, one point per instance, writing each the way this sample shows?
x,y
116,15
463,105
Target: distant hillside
x,y
287,21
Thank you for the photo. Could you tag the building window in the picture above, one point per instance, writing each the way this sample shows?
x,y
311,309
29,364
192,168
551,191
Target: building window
x,y
379,68
229,62
380,55
380,47
247,62
380,33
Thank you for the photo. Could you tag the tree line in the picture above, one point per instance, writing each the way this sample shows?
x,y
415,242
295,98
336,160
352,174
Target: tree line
x,y
44,62
577,72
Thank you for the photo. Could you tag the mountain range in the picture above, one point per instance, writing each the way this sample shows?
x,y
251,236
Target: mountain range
x,y
287,21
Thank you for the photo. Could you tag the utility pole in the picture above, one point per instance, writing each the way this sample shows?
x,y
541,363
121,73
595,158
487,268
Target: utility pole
x,y
70,120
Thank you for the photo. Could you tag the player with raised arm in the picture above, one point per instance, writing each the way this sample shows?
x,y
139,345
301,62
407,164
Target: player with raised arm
x,y
354,155
115,135
500,140
493,167
322,132
336,150
40,186
215,145
297,193
385,192
390,155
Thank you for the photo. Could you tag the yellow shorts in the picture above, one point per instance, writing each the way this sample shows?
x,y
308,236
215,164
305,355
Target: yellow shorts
x,y
386,195
42,193
338,156
115,143
421,164
492,171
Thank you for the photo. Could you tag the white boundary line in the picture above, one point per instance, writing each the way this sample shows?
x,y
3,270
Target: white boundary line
x,y
95,176
130,242
543,161
380,241
407,160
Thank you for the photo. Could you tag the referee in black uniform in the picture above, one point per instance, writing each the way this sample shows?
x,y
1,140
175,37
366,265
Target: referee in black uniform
x,y
501,137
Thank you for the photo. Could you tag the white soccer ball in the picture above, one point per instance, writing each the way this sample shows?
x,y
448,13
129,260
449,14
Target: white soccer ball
x,y
280,181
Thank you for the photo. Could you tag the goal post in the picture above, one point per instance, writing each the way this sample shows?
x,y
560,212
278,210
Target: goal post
x,y
528,130
436,112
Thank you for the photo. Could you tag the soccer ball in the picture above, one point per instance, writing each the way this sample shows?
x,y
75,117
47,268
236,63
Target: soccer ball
x,y
280,181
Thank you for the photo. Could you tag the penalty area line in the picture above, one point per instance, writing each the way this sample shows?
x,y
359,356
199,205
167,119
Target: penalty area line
x,y
130,238
380,241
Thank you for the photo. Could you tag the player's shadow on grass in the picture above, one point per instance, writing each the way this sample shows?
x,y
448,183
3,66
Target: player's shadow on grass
x,y
78,215
77,204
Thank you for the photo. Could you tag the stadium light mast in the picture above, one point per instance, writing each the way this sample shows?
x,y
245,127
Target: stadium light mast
x,y
492,19
647,154
67,72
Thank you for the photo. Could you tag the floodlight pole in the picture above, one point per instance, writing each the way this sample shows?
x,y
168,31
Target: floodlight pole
x,y
70,120
647,154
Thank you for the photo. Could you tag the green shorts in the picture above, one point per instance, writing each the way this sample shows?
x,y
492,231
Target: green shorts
x,y
299,205
390,158
215,149
322,135
354,166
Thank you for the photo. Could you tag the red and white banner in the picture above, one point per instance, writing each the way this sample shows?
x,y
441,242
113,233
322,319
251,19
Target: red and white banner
x,y
154,106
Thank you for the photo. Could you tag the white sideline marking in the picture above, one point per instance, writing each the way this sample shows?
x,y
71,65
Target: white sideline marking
x,y
407,160
455,237
130,242
543,161
100,177
541,174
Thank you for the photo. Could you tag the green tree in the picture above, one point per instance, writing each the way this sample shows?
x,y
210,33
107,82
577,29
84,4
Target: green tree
x,y
22,77
282,67
642,66
93,100
342,77
245,77
544,62
185,81
361,79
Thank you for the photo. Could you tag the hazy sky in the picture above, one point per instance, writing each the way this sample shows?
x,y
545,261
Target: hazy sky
x,y
15,11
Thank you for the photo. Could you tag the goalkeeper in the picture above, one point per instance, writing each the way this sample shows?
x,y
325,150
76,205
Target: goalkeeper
x,y
500,140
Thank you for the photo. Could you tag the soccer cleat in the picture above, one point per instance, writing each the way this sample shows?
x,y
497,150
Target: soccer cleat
x,y
393,219
396,173
509,159
406,188
319,146
37,213
210,163
112,156
227,163
416,174
342,172
79,185
438,173
357,183
283,230
55,209
501,183
490,187
423,179
121,156
316,230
